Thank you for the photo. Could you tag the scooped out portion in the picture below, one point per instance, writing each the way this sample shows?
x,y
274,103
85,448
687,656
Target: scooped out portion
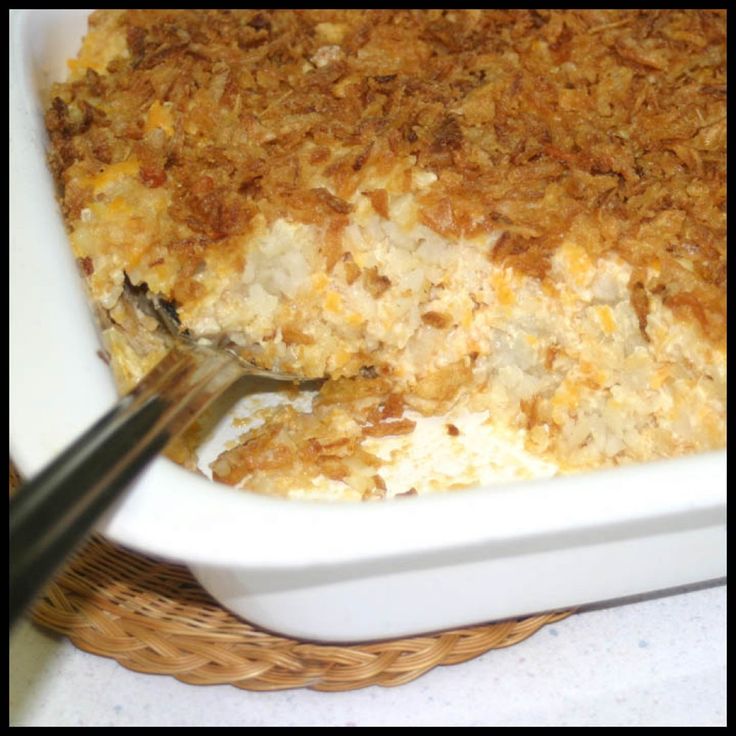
x,y
514,214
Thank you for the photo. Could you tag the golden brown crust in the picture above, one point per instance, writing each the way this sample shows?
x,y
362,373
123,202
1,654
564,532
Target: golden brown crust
x,y
303,446
610,124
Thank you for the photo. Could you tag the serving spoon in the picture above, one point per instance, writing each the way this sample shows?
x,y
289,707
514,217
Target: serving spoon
x,y
52,513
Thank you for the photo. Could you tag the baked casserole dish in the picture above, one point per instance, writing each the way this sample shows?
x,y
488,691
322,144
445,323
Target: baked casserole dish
x,y
501,235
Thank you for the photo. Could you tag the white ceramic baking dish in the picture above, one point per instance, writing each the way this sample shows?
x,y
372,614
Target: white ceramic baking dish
x,y
332,572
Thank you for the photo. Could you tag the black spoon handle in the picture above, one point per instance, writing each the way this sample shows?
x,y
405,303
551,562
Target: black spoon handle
x,y
52,514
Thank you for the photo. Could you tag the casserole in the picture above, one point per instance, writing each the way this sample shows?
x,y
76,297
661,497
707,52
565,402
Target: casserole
x,y
331,572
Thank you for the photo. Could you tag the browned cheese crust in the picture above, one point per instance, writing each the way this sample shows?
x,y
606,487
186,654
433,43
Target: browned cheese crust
x,y
535,123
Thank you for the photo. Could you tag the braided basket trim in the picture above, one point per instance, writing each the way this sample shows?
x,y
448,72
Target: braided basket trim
x,y
153,617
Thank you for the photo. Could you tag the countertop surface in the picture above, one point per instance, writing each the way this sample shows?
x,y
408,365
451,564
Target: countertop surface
x,y
653,660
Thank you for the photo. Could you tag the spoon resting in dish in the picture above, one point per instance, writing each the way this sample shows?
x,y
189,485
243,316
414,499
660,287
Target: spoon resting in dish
x,y
54,511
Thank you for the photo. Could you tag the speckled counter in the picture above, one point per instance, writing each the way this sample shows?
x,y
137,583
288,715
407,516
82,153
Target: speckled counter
x,y
658,660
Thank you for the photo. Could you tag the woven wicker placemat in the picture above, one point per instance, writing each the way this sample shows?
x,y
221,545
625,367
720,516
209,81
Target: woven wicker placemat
x,y
154,617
